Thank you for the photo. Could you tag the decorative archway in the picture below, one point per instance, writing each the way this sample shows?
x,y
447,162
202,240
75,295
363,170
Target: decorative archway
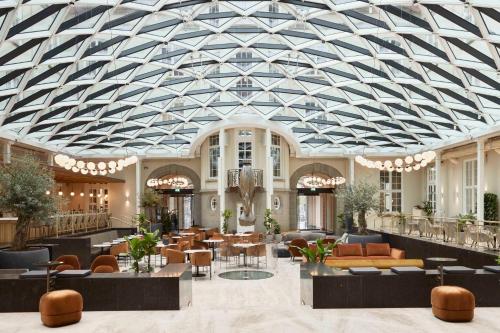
x,y
176,169
319,168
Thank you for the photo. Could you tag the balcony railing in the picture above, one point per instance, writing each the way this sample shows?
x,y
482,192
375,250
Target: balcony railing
x,y
233,178
463,232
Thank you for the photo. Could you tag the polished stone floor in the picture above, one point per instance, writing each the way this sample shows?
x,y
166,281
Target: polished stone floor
x,y
269,305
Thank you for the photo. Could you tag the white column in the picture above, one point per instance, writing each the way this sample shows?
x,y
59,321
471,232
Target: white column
x,y
351,170
50,159
439,190
480,180
138,185
221,184
269,170
7,154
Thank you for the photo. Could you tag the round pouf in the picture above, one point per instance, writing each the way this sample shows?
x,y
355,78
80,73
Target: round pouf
x,y
451,303
61,307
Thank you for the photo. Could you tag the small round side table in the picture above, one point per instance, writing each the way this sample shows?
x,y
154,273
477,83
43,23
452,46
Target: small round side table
x,y
48,264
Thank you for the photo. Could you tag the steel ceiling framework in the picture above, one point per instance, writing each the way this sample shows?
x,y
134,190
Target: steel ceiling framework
x,y
102,77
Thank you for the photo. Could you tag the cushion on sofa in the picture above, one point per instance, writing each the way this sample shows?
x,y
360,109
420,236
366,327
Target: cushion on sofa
x,y
378,249
349,250
349,257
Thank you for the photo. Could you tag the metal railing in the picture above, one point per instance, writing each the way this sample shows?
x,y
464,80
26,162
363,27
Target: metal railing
x,y
70,223
463,232
233,177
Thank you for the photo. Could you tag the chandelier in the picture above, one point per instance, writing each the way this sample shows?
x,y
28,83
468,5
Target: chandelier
x,y
94,168
175,182
408,164
315,181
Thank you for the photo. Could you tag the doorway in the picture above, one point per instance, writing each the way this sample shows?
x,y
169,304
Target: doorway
x,y
316,209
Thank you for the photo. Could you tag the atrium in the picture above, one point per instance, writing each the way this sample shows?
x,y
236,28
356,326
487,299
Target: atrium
x,y
238,166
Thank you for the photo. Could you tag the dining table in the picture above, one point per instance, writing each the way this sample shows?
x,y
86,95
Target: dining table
x,y
212,243
188,252
245,246
102,246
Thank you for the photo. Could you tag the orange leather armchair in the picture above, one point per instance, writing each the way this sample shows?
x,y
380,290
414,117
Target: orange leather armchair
x,y
203,259
174,256
105,260
70,262
294,252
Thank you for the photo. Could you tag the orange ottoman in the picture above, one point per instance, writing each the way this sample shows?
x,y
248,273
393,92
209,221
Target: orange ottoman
x,y
61,307
451,303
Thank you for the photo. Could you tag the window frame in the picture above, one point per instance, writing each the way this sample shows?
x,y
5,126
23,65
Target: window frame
x,y
383,193
213,148
472,187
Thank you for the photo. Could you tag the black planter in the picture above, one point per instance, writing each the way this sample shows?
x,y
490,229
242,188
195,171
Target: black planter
x,y
24,259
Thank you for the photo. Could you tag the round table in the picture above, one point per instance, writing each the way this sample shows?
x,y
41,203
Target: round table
x,y
48,264
245,246
211,243
187,233
188,252
440,261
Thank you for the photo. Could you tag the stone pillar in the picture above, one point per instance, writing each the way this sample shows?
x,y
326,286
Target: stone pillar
x,y
269,171
351,170
7,154
439,185
138,185
221,184
50,159
480,181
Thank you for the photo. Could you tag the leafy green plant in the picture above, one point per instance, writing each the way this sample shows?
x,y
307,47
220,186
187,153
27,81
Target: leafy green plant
x,y
142,221
490,207
319,252
149,241
150,200
136,251
141,247
340,221
498,260
226,215
277,228
269,222
166,221
23,191
428,209
359,198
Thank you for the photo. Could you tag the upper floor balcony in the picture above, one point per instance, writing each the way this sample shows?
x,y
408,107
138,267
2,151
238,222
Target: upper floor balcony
x,y
233,178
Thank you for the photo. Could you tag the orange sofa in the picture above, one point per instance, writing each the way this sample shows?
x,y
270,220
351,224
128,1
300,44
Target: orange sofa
x,y
372,251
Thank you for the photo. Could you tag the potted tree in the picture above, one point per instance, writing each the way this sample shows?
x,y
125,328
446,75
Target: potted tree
x,y
359,198
23,191
269,224
226,215
150,200
277,231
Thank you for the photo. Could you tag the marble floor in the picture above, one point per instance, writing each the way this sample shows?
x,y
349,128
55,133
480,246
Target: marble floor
x,y
270,305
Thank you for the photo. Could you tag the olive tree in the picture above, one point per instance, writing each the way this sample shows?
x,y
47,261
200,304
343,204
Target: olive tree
x,y
23,191
359,198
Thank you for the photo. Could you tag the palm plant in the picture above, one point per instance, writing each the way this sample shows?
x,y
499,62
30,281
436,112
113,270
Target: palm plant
x,y
136,251
23,191
149,242
319,252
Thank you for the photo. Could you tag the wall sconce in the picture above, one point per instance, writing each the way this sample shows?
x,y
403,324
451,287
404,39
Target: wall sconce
x,y
82,194
72,193
60,193
47,192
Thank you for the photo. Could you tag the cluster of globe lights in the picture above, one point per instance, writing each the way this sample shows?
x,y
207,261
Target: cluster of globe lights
x,y
315,181
177,182
94,168
408,164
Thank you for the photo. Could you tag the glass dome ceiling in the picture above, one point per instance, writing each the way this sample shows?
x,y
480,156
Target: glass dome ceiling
x,y
344,76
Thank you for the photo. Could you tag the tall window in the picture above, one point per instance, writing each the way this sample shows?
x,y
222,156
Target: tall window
x,y
431,187
390,191
244,148
276,154
470,186
242,84
213,155
241,59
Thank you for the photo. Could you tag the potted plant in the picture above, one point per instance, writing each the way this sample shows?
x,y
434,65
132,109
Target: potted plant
x,y
136,251
277,231
23,191
142,222
462,221
269,224
490,207
318,253
149,242
401,223
428,211
359,198
139,247
166,221
149,200
226,215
